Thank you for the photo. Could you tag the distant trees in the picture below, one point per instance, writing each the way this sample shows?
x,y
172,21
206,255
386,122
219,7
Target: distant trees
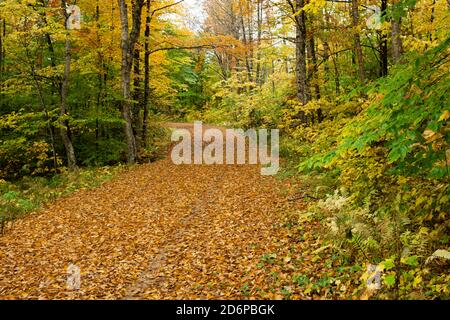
x,y
335,45
73,80
60,88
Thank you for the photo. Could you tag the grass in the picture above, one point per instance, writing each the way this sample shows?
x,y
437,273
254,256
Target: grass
x,y
17,198
30,193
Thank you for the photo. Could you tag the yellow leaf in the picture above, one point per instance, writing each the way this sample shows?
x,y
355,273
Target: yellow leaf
x,y
445,115
417,281
428,134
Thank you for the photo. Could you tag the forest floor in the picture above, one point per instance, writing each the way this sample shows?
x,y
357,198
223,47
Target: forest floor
x,y
162,231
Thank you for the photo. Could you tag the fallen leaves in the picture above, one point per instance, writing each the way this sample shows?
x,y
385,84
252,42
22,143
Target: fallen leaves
x,y
159,231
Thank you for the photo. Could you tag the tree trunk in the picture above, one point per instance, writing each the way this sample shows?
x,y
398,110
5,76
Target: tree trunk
x,y
137,97
246,44
326,60
65,130
313,69
146,98
2,58
383,44
259,9
357,41
250,38
128,42
300,56
397,45
101,81
44,108
432,20
313,65
337,79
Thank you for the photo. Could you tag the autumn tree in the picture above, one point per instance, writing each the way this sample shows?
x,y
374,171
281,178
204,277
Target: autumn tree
x,y
65,131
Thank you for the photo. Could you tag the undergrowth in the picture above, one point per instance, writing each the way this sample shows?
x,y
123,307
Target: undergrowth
x,y
28,194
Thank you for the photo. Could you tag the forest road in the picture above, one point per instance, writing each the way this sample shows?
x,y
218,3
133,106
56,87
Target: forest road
x,y
156,231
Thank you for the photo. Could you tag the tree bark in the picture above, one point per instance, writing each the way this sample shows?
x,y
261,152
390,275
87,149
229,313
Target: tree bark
x,y
259,8
357,41
383,44
146,98
128,43
65,130
300,53
432,19
337,79
2,57
102,81
44,108
137,97
397,45
246,44
312,73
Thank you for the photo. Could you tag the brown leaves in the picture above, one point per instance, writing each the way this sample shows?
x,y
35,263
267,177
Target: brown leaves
x,y
159,231
162,231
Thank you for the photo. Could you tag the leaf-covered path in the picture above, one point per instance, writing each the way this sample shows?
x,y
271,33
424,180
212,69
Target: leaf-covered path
x,y
157,231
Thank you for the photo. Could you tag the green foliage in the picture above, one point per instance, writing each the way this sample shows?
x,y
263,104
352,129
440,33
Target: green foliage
x,y
158,143
384,148
188,75
246,105
23,151
30,193
408,114
391,157
32,66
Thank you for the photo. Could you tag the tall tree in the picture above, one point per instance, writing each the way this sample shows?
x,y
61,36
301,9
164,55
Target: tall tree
x,y
65,130
357,40
384,53
146,97
128,45
396,23
302,87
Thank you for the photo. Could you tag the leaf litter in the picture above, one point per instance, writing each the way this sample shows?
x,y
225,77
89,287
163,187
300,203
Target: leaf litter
x,y
162,231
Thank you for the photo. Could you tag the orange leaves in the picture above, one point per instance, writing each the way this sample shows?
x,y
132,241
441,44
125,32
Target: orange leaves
x,y
162,231
158,231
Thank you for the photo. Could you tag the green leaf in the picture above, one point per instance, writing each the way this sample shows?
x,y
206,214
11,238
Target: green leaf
x,y
412,261
389,280
388,264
